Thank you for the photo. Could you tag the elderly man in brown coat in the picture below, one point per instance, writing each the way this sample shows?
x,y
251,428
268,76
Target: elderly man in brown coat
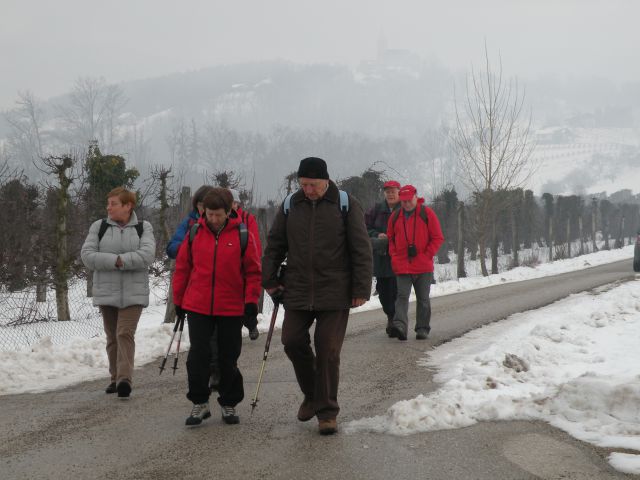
x,y
321,233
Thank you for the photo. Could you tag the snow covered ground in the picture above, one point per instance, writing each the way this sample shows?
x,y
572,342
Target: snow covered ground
x,y
577,352
572,364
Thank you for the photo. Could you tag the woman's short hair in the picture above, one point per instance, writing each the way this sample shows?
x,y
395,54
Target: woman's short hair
x,y
125,196
218,198
200,194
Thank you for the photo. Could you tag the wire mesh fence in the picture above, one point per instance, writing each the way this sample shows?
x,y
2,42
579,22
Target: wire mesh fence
x,y
25,321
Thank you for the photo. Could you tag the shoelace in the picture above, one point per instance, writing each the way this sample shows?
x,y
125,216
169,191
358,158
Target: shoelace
x,y
198,409
228,411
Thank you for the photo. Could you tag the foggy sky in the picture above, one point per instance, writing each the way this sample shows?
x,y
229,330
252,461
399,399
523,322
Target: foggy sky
x,y
46,45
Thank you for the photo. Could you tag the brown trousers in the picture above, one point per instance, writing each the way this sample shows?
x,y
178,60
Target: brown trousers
x,y
120,326
318,375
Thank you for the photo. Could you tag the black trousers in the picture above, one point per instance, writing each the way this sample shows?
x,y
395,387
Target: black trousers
x,y
229,333
387,292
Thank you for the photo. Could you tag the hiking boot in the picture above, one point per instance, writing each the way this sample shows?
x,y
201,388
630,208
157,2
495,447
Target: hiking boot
x,y
306,411
254,333
229,415
111,388
124,389
199,412
395,332
421,334
327,426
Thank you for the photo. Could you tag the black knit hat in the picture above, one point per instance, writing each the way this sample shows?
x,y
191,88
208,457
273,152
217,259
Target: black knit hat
x,y
313,167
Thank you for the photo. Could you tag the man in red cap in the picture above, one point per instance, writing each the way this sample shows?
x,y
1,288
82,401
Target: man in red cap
x,y
377,219
414,238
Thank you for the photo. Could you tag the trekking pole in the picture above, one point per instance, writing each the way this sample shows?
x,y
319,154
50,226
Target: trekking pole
x,y
175,360
272,325
164,360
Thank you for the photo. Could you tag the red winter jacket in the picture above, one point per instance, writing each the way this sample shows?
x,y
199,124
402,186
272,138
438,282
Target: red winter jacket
x,y
428,238
211,277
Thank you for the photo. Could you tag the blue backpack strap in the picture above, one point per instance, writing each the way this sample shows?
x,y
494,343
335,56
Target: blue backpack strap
x,y
286,205
244,238
344,205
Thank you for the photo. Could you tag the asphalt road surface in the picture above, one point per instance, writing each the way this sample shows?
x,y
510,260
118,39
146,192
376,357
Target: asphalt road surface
x,y
81,433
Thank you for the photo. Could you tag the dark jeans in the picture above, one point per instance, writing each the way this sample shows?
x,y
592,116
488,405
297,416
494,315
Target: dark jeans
x,y
201,328
387,292
422,285
318,375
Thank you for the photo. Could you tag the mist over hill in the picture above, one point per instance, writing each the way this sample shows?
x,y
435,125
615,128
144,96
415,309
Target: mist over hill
x,y
259,119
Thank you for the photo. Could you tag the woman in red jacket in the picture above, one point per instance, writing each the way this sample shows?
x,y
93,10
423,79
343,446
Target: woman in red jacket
x,y
414,238
215,285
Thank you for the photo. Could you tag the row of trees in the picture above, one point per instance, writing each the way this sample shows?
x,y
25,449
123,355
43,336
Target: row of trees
x,y
44,225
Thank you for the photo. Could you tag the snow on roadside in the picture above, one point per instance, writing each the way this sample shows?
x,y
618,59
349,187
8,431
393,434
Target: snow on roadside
x,y
574,366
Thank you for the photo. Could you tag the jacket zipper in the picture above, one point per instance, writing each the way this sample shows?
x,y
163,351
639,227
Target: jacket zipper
x,y
213,276
313,221
121,275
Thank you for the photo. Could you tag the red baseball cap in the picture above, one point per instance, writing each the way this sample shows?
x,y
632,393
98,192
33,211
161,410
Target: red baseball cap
x,y
391,184
407,192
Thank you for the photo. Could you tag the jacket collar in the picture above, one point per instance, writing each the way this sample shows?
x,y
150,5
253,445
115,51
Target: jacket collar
x,y
133,220
332,194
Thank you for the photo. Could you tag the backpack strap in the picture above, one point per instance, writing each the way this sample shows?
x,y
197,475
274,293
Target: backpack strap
x,y
422,212
103,228
394,216
243,231
344,205
286,205
192,232
244,238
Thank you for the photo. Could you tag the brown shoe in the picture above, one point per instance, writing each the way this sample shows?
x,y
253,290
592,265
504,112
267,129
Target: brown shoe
x,y
306,411
327,426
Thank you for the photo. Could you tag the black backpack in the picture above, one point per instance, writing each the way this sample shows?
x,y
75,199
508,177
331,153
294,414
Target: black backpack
x,y
104,225
242,231
422,213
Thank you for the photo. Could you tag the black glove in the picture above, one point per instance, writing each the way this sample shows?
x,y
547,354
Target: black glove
x,y
277,295
180,312
250,316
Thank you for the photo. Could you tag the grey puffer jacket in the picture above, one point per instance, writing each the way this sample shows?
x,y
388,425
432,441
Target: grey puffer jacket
x,y
128,285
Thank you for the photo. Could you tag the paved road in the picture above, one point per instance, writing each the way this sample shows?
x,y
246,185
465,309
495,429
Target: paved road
x,y
81,433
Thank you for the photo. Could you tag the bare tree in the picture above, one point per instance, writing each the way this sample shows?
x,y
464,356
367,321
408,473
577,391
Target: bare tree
x,y
92,112
25,139
492,142
61,167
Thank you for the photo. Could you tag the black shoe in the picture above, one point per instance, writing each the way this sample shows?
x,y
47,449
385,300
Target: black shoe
x,y
111,388
391,332
254,333
397,333
229,415
199,412
421,335
124,389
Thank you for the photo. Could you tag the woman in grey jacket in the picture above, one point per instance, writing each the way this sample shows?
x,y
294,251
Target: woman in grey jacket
x,y
119,251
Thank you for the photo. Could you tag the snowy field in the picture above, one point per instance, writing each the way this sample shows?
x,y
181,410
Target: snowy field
x,y
573,356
